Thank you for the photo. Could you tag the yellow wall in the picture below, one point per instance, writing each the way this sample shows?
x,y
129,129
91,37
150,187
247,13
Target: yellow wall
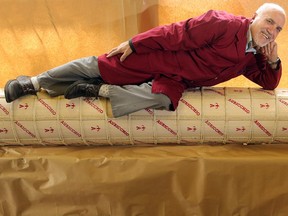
x,y
173,10
38,35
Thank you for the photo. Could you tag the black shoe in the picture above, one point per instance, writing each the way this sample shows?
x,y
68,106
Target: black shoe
x,y
84,88
18,87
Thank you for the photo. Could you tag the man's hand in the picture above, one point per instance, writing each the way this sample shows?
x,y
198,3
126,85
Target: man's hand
x,y
270,51
122,48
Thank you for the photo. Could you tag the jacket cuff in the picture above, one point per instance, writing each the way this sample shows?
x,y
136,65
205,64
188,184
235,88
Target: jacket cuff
x,y
132,46
277,63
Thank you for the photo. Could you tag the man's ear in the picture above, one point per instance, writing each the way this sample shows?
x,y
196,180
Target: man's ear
x,y
254,16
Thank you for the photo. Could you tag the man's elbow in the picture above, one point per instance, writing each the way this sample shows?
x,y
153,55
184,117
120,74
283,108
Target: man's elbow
x,y
270,86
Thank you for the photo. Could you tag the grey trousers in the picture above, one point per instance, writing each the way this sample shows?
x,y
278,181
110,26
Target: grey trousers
x,y
124,99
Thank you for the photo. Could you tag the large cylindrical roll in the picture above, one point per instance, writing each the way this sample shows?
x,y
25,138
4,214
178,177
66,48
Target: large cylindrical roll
x,y
208,115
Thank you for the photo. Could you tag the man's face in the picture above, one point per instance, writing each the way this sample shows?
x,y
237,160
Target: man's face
x,y
266,26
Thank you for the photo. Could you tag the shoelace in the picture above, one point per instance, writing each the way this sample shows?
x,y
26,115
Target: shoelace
x,y
27,90
91,92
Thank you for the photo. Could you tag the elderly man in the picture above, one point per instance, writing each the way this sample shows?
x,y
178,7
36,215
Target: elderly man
x,y
154,68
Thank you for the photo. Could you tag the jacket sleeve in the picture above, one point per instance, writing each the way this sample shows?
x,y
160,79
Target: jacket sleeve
x,y
191,34
260,72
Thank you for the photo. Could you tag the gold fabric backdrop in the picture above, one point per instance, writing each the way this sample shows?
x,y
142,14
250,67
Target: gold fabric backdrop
x,y
38,35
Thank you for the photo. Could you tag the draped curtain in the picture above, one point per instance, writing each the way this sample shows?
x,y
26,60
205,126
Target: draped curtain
x,y
36,35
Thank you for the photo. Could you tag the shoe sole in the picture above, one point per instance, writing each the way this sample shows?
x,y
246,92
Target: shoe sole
x,y
6,91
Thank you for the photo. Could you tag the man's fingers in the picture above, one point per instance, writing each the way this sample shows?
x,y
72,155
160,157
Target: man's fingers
x,y
113,52
122,48
123,57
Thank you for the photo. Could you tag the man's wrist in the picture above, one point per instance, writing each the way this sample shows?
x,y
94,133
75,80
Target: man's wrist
x,y
274,62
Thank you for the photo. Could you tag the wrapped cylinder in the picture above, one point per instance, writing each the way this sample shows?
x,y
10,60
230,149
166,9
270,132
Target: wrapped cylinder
x,y
204,116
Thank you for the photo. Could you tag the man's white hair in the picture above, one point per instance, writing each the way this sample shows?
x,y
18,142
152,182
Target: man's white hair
x,y
267,6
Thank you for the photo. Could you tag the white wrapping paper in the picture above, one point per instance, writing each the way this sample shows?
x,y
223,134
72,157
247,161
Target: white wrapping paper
x,y
208,115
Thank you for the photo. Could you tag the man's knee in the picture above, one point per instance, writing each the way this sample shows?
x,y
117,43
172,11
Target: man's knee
x,y
164,101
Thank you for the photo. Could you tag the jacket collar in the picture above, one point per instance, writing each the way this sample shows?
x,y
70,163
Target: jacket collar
x,y
241,37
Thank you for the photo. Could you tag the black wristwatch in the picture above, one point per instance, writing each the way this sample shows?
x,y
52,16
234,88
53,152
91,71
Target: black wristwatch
x,y
274,63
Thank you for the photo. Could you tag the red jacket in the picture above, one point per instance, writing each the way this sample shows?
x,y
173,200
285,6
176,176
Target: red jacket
x,y
201,51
